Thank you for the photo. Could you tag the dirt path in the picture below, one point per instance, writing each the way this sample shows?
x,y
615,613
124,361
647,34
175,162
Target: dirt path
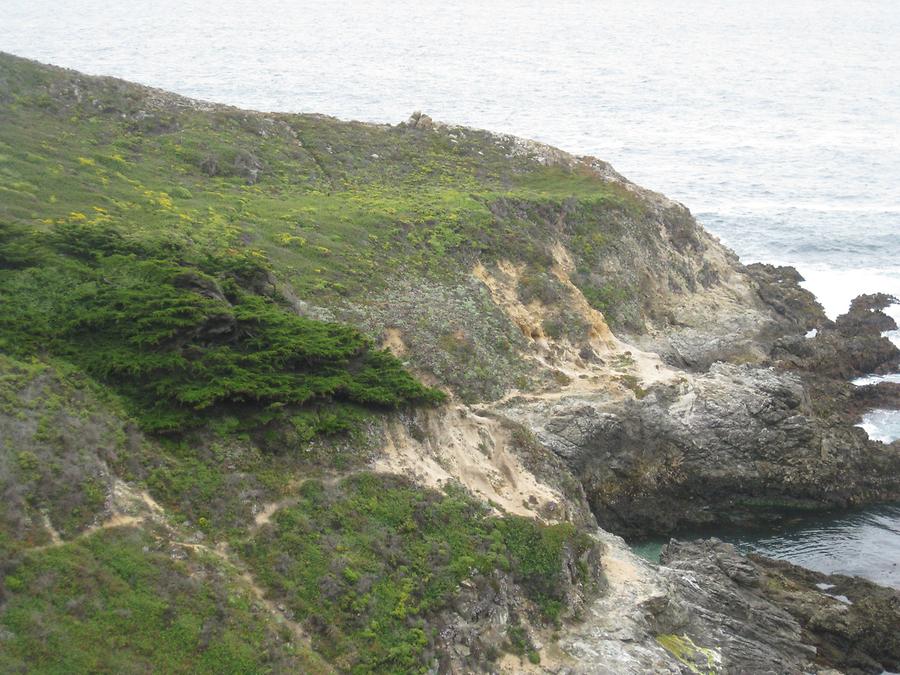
x,y
135,508
115,521
129,507
224,554
264,517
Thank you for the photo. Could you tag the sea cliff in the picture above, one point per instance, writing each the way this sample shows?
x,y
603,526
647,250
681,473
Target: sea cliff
x,y
282,393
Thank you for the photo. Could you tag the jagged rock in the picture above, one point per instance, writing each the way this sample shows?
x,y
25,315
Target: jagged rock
x,y
880,395
764,615
708,609
754,307
779,287
737,444
617,635
740,444
852,346
866,315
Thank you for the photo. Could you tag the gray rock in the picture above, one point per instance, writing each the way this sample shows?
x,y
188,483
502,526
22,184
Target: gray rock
x,y
765,615
248,165
737,444
419,120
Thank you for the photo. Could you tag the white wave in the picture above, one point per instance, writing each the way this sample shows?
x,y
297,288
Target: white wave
x,y
835,288
875,379
882,425
894,335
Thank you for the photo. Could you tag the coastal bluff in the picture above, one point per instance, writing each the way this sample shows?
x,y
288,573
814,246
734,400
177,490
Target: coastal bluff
x,y
283,393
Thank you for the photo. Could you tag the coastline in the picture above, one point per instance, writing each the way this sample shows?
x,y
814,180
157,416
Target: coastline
x,y
631,373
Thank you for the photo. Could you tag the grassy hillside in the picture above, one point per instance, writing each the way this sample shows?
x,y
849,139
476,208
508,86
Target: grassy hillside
x,y
117,602
370,566
198,406
151,239
191,299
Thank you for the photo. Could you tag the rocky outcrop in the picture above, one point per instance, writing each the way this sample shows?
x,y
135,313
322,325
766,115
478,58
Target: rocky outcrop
x,y
751,436
419,120
708,609
853,345
737,444
878,395
795,308
763,615
738,318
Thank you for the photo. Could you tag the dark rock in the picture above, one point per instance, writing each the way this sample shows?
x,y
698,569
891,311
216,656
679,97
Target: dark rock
x,y
866,315
852,346
779,288
771,616
880,395
738,444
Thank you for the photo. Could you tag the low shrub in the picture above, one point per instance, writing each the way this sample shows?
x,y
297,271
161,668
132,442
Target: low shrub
x,y
185,337
368,564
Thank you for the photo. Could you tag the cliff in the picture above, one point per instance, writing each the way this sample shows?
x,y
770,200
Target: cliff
x,y
284,393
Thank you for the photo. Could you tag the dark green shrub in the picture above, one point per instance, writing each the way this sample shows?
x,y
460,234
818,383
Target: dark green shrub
x,y
184,339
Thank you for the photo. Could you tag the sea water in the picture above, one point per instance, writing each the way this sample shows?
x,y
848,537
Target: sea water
x,y
777,123
862,542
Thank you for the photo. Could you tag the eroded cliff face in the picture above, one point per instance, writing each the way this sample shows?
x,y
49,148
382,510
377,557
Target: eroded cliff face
x,y
655,447
721,409
609,368
752,435
739,418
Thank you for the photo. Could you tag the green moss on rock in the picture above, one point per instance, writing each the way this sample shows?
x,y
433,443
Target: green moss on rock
x,y
699,660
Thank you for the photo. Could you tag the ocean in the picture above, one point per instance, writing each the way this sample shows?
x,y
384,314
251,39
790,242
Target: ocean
x,y
777,123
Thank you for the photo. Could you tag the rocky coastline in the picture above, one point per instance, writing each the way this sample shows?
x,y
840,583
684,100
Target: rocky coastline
x,y
745,445
738,443
519,358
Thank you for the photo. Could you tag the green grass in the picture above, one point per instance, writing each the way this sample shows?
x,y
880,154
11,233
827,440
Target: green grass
x,y
368,564
132,231
112,603
333,217
198,271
